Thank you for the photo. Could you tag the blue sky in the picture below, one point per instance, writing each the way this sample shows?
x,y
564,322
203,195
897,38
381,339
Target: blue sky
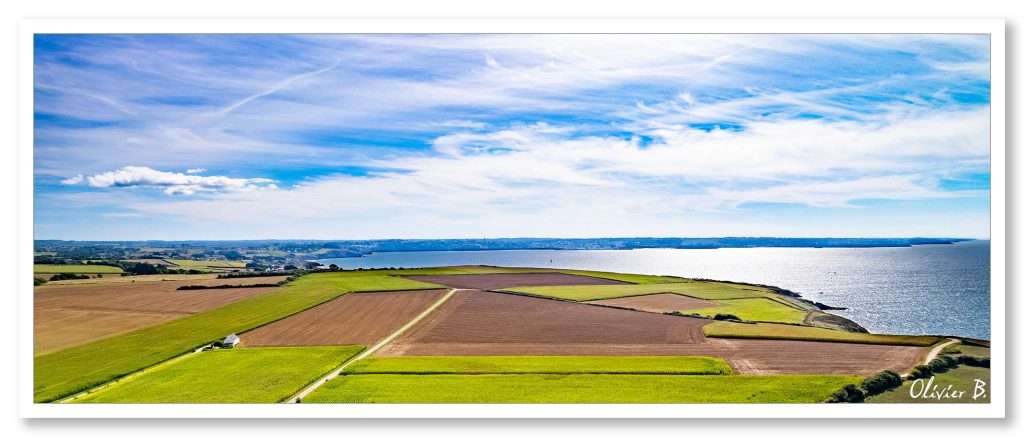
x,y
444,136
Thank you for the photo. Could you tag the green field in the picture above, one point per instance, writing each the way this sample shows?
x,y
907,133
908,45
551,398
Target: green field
x,y
71,370
187,264
789,332
756,309
699,290
541,364
744,301
258,375
75,268
628,277
534,388
961,378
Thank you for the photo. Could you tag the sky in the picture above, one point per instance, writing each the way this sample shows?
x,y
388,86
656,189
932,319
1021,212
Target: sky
x,y
174,137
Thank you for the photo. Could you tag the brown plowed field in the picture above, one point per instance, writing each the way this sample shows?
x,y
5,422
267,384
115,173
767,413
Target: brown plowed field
x,y
68,315
472,316
497,281
354,318
56,329
484,323
656,303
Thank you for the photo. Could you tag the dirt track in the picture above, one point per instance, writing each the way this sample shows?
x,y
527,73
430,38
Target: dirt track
x,y
497,281
656,303
68,315
355,318
487,323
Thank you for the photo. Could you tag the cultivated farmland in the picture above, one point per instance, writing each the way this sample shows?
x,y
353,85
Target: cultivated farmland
x,y
264,375
75,268
744,301
495,281
559,336
790,332
694,289
355,318
65,372
207,266
68,315
542,364
657,303
533,388
476,323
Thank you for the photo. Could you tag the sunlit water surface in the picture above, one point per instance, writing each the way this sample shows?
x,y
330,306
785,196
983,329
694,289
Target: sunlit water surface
x,y
930,289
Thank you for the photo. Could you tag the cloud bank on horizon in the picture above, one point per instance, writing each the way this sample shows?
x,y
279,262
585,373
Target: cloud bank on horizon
x,y
446,136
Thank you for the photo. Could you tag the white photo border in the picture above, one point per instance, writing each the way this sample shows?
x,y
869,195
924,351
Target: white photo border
x,y
992,27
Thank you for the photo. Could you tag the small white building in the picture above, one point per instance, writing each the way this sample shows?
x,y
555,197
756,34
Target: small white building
x,y
230,341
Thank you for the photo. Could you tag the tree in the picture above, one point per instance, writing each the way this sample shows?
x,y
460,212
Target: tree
x,y
334,267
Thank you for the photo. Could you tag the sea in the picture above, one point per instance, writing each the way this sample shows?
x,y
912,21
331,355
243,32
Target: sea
x,y
940,289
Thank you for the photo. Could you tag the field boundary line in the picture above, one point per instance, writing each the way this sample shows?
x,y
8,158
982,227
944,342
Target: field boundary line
x,y
369,351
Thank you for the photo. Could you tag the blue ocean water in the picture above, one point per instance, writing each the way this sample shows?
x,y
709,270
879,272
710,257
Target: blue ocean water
x,y
930,289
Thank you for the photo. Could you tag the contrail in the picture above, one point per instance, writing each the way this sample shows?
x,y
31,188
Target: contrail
x,y
277,87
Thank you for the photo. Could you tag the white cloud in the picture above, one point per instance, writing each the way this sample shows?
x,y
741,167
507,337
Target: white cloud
x,y
195,170
74,180
543,180
176,183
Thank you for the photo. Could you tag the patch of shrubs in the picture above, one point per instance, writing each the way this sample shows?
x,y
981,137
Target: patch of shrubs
x,y
946,362
871,386
849,394
39,281
254,274
66,276
968,360
880,383
938,365
296,275
694,315
726,317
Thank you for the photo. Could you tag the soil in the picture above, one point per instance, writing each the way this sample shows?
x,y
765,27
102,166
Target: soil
x,y
69,315
355,318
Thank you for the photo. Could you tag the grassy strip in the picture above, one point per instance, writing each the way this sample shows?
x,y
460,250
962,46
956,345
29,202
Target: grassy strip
x,y
258,375
527,388
773,331
542,364
699,290
744,301
74,268
72,370
962,378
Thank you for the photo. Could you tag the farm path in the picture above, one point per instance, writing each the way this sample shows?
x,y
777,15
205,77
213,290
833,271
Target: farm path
x,y
934,353
298,398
